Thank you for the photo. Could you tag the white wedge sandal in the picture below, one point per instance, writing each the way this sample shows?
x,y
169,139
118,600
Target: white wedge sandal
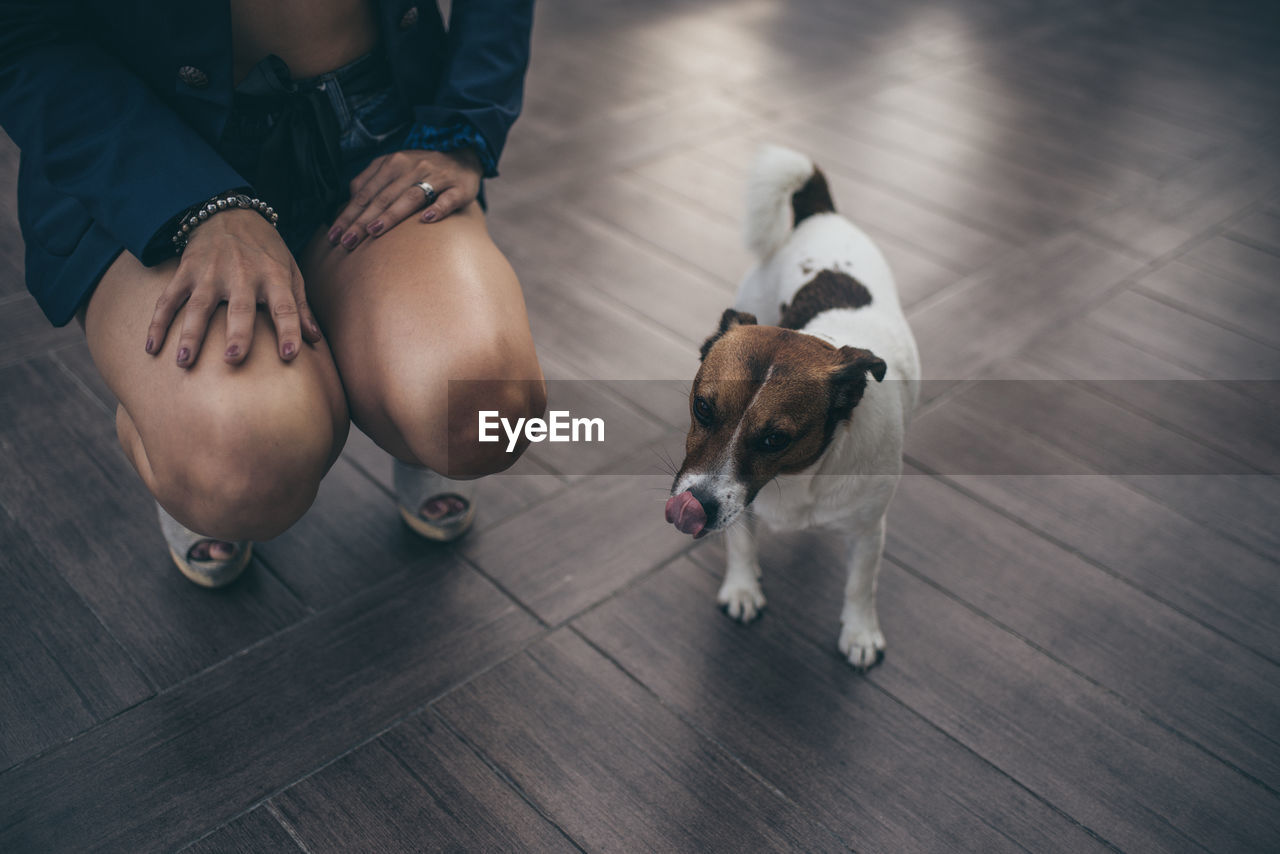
x,y
418,488
205,572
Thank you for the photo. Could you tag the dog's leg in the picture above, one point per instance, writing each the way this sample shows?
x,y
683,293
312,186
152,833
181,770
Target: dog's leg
x,y
860,638
740,594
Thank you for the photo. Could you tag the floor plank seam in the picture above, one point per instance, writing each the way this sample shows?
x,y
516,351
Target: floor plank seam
x,y
279,636
147,680
1200,314
1086,558
1132,705
711,739
287,826
498,772
1097,392
395,722
853,175
929,722
1158,499
79,383
657,188
628,586
502,588
1190,366
567,210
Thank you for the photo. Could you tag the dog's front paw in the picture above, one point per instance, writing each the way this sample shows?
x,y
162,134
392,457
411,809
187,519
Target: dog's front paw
x,y
743,602
862,646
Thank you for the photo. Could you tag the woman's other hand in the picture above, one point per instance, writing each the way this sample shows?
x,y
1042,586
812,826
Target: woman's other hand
x,y
386,193
235,257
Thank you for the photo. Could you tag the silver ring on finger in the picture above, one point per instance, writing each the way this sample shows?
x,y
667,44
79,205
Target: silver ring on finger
x,y
427,190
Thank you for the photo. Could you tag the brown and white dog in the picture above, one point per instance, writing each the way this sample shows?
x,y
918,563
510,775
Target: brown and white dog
x,y
807,388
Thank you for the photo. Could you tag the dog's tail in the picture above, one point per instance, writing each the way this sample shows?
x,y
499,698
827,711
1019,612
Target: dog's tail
x,y
783,190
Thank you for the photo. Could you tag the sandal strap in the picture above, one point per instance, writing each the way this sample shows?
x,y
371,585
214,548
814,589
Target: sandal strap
x,y
181,538
415,484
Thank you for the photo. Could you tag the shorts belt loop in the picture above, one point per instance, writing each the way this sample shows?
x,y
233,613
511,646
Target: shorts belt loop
x,y
337,99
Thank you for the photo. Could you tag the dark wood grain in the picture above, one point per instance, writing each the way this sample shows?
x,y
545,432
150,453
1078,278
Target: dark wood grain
x,y
782,705
63,672
1083,198
351,538
1173,558
954,236
1052,730
1208,349
67,483
174,768
1260,230
1223,697
711,186
993,313
1250,308
1236,418
24,331
568,249
11,261
612,766
618,534
668,223
252,833
416,788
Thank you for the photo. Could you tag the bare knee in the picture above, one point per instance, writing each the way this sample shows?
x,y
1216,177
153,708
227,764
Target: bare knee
x,y
509,400
249,464
439,421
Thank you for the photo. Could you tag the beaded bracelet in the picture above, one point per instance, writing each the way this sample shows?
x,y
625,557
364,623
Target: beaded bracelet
x,y
230,201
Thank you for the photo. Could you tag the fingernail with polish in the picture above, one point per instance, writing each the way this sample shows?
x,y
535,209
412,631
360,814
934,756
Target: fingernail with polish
x,y
349,240
334,234
233,351
375,227
183,355
429,216
151,344
289,349
315,328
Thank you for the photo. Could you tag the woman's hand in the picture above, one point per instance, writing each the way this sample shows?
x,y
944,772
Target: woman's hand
x,y
386,192
234,257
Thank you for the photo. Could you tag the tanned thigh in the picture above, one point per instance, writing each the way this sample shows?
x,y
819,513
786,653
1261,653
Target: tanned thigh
x,y
407,312
165,408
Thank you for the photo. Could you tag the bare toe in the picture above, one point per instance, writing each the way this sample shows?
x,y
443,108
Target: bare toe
x,y
439,507
212,550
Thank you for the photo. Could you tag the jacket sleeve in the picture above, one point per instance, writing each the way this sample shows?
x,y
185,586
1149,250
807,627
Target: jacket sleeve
x,y
97,133
482,88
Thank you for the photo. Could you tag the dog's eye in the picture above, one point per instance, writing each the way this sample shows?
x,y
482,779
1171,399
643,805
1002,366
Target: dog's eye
x,y
702,411
775,441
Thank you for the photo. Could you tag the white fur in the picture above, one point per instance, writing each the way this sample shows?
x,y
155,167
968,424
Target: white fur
x,y
849,488
775,175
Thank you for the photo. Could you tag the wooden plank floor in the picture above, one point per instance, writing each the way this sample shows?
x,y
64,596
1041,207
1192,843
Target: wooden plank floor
x,y
1081,591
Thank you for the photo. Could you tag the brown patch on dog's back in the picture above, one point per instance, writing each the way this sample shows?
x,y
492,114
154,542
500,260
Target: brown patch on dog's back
x,y
827,290
813,198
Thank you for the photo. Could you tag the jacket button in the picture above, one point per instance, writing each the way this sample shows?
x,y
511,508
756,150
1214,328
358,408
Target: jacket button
x,y
193,77
410,18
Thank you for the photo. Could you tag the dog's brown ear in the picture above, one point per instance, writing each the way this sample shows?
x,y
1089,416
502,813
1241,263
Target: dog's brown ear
x,y
849,379
728,321
857,359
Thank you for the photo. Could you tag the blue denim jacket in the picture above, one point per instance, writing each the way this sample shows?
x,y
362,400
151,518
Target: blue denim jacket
x,y
117,105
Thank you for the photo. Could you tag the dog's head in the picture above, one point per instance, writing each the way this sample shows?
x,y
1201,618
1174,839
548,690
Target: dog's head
x,y
765,402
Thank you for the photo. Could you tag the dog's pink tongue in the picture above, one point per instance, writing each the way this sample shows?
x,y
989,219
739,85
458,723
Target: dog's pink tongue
x,y
686,513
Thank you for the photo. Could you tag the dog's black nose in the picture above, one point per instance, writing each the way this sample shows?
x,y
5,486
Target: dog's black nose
x,y
710,505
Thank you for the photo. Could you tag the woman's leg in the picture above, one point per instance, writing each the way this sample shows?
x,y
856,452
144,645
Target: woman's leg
x,y
232,452
424,304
